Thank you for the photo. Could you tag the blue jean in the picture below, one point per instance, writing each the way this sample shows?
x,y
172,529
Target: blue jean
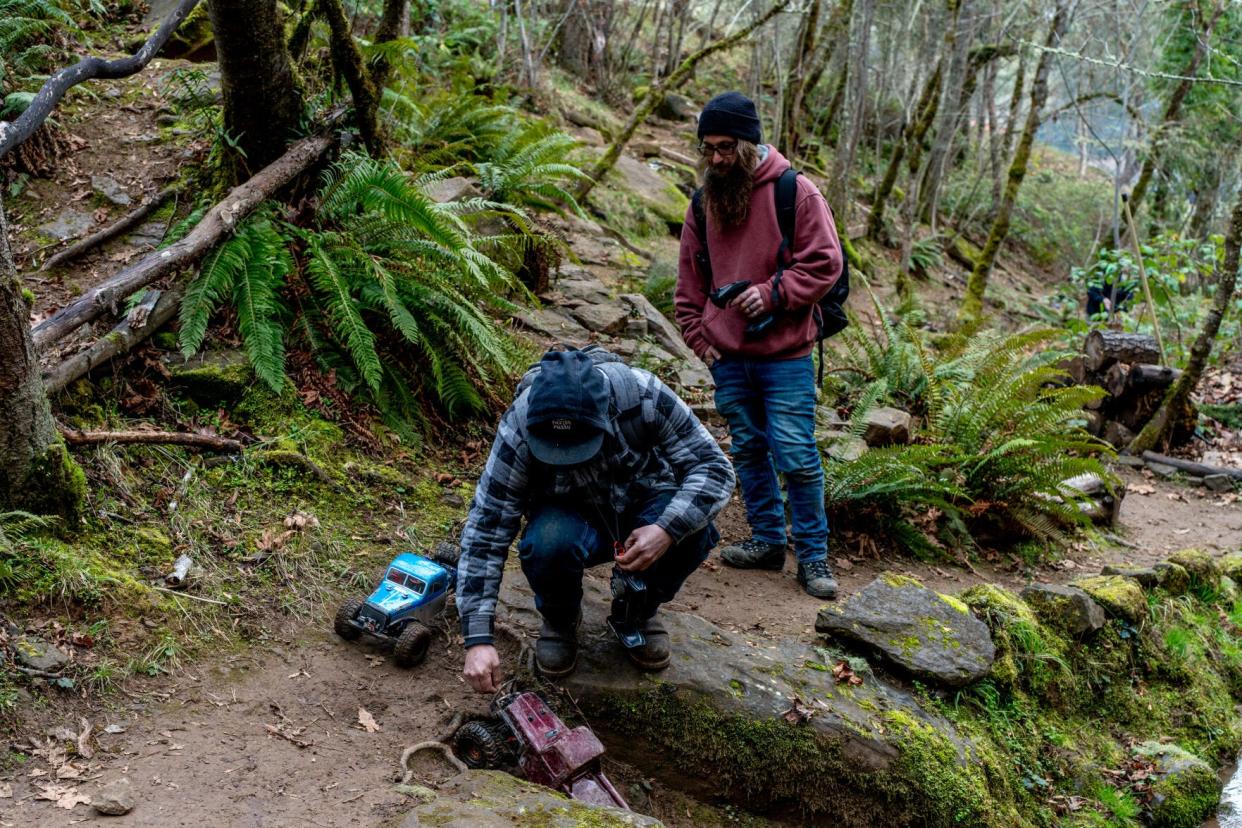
x,y
770,407
560,541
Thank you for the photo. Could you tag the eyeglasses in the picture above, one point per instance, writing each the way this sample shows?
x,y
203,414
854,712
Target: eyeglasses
x,y
726,149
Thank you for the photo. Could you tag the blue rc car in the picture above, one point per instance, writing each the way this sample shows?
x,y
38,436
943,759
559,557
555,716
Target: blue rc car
x,y
401,608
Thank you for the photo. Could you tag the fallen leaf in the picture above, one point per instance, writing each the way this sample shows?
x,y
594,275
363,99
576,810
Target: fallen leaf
x,y
68,771
367,721
797,713
843,564
63,795
843,673
6,791
1140,489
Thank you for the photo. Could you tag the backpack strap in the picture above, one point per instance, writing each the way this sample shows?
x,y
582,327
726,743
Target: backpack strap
x,y
785,192
703,259
628,396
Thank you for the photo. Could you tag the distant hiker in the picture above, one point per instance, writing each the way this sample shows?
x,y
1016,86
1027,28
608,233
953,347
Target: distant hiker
x,y
756,338
605,463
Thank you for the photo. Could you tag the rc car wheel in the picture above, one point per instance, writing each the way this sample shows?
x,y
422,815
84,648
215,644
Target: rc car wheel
x,y
412,646
480,745
347,613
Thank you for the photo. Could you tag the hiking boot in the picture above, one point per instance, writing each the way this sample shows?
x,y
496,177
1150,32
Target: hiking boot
x,y
754,554
655,654
556,651
816,578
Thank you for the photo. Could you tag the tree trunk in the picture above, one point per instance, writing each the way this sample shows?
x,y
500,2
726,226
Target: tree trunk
x,y
848,137
912,137
972,305
348,61
262,101
1173,108
954,57
655,94
1006,147
394,23
36,473
1179,393
795,78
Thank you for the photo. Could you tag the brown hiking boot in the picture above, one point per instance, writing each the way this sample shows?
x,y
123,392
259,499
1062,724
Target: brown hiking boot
x,y
655,654
556,651
754,554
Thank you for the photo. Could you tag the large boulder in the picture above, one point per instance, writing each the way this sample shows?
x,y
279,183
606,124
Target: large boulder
x,y
654,191
493,799
1202,567
605,319
1186,791
770,725
931,636
552,324
1064,608
1119,596
1147,576
887,426
659,327
1174,579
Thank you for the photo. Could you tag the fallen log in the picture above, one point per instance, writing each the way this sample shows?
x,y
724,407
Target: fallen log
x,y
164,438
219,221
1116,379
111,231
1144,377
88,68
1095,422
159,307
1116,434
1191,467
1103,348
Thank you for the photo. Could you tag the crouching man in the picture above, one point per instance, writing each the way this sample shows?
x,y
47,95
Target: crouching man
x,y
605,463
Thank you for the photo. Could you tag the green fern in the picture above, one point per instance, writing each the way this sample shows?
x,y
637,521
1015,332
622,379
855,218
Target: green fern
x,y
528,167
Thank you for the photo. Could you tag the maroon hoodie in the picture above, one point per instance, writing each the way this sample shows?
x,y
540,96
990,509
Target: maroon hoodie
x,y
749,252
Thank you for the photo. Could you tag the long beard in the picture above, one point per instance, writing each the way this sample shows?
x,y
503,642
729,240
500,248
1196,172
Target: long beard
x,y
727,192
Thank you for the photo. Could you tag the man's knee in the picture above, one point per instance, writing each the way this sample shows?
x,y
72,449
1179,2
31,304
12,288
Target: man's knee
x,y
555,535
805,475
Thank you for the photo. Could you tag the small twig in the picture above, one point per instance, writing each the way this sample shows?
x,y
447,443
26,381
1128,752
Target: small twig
x,y
177,438
409,752
276,731
111,231
176,594
31,671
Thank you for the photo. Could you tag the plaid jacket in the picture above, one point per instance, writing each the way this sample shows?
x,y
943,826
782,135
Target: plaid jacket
x,y
678,455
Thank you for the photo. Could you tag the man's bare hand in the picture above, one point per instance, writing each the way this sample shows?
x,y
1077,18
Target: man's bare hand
x,y
710,356
643,547
751,301
482,670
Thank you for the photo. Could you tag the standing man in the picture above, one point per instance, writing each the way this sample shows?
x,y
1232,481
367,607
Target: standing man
x,y
758,345
606,464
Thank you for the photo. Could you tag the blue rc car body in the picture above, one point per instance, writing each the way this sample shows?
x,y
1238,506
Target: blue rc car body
x,y
401,608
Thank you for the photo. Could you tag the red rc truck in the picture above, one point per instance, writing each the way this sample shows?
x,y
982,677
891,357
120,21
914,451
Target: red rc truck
x,y
527,733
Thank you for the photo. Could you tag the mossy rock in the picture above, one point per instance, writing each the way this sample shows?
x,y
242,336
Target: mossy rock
x,y
493,799
1147,576
1202,567
1187,790
1174,579
213,378
1065,608
1228,588
1119,596
1231,565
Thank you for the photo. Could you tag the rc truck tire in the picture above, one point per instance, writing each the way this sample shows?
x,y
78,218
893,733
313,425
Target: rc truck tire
x,y
480,746
412,646
347,613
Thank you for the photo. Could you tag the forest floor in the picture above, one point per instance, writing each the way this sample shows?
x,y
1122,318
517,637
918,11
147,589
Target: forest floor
x,y
271,734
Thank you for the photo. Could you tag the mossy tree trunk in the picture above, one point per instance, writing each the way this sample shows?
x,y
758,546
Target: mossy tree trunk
x,y
262,102
795,78
1179,393
1173,107
394,23
348,61
953,60
972,305
911,136
36,472
655,94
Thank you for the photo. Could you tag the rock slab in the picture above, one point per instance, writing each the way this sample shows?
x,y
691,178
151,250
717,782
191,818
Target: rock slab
x,y
1065,608
38,654
932,637
114,799
493,799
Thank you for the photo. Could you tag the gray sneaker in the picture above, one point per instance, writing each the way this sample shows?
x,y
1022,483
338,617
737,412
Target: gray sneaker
x,y
816,578
754,554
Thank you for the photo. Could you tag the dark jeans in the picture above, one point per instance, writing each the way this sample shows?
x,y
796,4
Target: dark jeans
x,y
561,541
770,406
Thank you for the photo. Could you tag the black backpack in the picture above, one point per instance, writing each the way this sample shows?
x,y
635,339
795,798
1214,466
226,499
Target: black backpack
x,y
830,318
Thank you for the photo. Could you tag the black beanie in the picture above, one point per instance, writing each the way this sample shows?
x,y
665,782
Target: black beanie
x,y
733,114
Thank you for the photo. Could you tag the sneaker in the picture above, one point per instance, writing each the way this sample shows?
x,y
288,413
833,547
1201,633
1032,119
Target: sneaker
x,y
754,554
556,651
816,578
655,654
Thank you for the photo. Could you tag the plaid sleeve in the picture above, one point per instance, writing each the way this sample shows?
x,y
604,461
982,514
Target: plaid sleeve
x,y
703,471
493,522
